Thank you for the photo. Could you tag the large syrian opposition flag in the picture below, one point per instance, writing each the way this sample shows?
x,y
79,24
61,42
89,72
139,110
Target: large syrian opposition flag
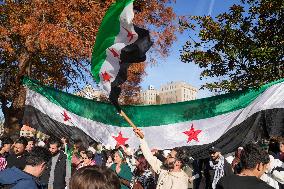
x,y
118,44
227,121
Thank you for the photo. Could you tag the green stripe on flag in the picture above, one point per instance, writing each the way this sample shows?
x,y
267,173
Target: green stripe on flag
x,y
109,29
150,115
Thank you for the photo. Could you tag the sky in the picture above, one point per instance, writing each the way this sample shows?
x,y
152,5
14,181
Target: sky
x,y
171,68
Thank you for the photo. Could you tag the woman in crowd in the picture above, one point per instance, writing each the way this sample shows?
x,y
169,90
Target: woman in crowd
x,y
143,176
87,159
280,154
94,177
121,168
109,158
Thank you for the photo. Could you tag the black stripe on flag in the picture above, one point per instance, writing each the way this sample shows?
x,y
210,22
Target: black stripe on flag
x,y
42,122
263,124
133,53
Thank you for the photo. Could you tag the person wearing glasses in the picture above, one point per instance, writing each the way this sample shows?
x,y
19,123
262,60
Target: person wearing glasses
x,y
171,175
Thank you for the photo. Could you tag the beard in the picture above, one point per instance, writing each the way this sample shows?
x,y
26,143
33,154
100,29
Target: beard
x,y
54,153
168,165
215,159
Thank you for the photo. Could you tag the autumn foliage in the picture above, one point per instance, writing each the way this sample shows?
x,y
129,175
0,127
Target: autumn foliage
x,y
51,41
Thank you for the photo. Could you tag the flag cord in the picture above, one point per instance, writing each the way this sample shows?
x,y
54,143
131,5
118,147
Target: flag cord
x,y
130,122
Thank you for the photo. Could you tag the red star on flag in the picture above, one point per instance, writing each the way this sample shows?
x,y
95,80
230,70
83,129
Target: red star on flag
x,y
129,34
66,117
119,139
192,134
106,76
114,53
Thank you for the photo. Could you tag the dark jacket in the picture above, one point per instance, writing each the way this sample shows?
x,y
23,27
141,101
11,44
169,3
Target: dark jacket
x,y
17,161
279,156
61,172
98,159
17,179
241,182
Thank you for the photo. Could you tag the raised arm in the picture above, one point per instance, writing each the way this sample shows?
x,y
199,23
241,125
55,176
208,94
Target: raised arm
x,y
152,160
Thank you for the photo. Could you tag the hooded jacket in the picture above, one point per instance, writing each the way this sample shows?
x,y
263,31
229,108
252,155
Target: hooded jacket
x,y
18,179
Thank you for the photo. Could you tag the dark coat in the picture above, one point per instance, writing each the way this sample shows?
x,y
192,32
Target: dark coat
x,y
18,179
59,172
210,172
16,161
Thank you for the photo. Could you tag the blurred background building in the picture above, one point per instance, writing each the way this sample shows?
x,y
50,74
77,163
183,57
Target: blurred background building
x,y
172,92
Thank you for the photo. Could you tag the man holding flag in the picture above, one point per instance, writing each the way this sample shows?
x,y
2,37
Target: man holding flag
x,y
171,176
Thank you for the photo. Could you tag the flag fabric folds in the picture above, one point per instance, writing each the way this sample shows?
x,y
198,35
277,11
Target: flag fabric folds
x,y
226,121
118,44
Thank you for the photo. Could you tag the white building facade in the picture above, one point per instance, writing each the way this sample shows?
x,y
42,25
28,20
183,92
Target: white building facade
x,y
172,92
149,96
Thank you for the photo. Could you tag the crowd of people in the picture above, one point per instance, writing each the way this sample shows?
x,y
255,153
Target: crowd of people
x,y
27,163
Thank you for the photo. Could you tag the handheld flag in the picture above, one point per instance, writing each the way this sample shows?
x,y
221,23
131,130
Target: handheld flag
x,y
118,44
